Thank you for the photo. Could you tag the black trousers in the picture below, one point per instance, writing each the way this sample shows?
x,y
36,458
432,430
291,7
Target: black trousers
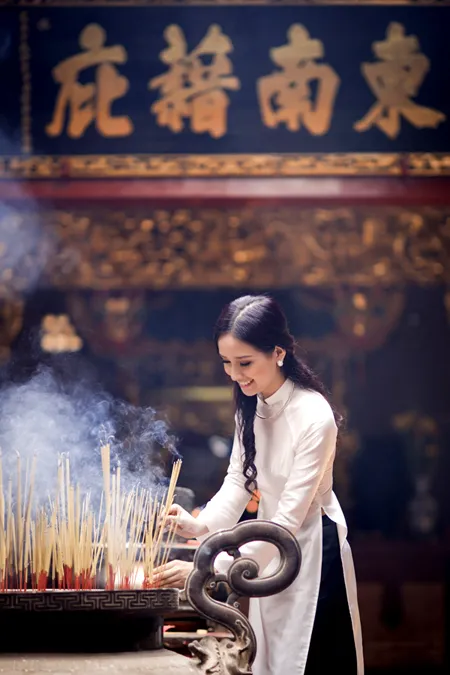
x,y
332,647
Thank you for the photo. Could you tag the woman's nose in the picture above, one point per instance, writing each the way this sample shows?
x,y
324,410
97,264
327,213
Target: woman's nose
x,y
234,373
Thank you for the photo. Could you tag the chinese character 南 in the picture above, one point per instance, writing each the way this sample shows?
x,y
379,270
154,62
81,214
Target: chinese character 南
x,y
287,95
395,79
193,87
85,103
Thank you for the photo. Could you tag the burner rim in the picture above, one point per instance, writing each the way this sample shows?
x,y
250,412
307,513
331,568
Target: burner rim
x,y
155,601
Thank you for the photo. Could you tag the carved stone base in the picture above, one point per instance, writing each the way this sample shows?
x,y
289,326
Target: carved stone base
x,y
160,662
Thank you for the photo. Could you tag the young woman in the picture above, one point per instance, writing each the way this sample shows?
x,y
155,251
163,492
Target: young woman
x,y
285,444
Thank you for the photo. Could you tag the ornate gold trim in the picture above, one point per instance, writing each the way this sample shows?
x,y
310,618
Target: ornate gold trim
x,y
198,166
428,164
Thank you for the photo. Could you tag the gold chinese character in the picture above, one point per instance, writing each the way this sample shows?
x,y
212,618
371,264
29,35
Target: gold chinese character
x,y
88,102
193,87
394,80
287,96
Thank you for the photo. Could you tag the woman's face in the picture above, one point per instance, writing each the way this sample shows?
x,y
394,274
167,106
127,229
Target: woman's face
x,y
255,372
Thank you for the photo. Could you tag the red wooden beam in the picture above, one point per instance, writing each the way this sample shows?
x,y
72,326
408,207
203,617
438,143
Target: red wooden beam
x,y
226,191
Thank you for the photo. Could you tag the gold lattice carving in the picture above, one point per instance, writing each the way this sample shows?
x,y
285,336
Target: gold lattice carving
x,y
250,247
188,248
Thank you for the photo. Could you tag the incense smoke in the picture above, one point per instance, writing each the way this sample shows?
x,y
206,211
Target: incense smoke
x,y
26,245
49,415
24,250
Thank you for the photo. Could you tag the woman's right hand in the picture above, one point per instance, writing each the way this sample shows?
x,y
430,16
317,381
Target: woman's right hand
x,y
186,525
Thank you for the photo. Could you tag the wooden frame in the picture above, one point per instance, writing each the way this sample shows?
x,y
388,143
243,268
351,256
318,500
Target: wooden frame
x,y
267,191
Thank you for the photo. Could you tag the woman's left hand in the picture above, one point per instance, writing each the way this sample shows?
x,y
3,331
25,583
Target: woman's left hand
x,y
172,575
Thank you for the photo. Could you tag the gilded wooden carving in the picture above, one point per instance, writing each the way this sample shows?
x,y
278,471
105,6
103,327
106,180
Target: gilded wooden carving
x,y
256,248
198,166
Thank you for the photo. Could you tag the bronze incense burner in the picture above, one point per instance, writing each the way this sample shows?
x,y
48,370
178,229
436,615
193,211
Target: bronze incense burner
x,y
94,632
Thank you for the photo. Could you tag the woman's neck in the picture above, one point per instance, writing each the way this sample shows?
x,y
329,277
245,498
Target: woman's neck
x,y
273,388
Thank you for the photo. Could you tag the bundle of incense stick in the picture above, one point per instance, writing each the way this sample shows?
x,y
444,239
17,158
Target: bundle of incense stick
x,y
65,544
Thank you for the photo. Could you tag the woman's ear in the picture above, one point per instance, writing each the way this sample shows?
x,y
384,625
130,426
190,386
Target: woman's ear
x,y
280,354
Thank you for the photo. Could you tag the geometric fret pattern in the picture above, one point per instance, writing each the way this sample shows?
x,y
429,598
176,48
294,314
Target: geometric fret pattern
x,y
158,601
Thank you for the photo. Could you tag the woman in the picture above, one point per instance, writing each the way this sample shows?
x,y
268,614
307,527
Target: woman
x,y
285,444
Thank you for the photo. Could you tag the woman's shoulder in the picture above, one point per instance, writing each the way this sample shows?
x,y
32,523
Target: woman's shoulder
x,y
311,407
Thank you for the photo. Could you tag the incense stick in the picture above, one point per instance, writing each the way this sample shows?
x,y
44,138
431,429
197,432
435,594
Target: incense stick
x,y
63,542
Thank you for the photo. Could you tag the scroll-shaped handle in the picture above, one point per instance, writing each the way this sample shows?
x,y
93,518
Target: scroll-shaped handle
x,y
243,581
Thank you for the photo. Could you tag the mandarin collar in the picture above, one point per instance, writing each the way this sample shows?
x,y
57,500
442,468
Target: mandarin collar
x,y
278,398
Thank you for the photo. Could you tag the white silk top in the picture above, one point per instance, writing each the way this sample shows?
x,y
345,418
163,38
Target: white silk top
x,y
295,451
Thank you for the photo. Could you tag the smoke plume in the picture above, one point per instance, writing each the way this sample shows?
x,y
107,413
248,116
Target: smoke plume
x,y
53,412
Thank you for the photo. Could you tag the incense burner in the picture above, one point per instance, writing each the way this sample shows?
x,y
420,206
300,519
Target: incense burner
x,y
102,621
120,631
87,632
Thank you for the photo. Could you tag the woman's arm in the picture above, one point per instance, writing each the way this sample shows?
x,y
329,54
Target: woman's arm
x,y
221,512
226,507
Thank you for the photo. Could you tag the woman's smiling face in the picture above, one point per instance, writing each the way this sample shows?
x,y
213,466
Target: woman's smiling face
x,y
254,371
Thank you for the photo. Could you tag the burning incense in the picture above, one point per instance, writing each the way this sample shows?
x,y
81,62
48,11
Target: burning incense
x,y
65,544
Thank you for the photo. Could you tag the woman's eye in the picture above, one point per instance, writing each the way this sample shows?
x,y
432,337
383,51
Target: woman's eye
x,y
247,363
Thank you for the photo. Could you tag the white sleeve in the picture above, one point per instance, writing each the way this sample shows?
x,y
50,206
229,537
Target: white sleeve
x,y
226,507
312,455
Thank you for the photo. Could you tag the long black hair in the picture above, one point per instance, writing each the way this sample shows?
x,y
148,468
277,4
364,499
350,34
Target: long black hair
x,y
259,321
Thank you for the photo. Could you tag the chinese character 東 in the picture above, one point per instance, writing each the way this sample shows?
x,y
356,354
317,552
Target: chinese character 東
x,y
193,87
88,102
287,95
395,79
